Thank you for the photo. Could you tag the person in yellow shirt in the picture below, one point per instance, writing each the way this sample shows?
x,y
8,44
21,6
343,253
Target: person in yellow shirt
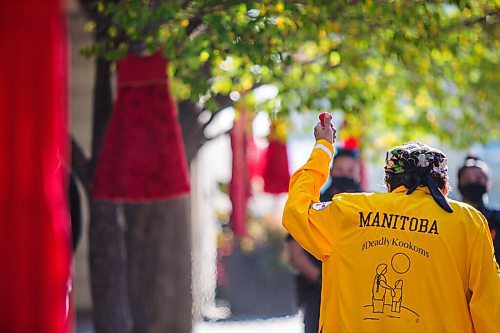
x,y
409,260
345,174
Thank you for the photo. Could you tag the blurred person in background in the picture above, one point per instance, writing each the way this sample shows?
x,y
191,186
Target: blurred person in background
x,y
409,260
345,174
473,184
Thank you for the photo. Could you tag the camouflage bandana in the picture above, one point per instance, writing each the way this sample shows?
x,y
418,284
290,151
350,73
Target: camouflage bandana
x,y
424,161
418,158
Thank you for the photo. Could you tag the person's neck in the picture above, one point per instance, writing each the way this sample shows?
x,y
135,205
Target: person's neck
x,y
476,205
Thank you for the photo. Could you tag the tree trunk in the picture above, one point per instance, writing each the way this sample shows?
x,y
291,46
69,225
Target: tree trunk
x,y
140,278
107,251
159,266
108,274
159,251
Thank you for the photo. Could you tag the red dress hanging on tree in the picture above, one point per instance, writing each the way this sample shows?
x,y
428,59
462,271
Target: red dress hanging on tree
x,y
143,156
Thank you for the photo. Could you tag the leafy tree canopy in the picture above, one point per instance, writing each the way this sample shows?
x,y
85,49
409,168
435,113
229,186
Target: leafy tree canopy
x,y
398,69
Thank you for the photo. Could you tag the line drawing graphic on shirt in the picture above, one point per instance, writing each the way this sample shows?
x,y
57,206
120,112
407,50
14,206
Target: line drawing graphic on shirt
x,y
379,288
400,263
387,299
397,296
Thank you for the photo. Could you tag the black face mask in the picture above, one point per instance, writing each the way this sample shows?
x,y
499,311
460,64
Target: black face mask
x,y
473,192
345,184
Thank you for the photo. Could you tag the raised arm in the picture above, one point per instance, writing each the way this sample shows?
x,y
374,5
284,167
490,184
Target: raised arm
x,y
307,220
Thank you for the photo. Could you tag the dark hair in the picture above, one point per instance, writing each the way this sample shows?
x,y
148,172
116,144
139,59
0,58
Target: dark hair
x,y
472,161
352,153
393,181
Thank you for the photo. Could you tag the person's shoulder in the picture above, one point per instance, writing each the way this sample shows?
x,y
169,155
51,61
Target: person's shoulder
x,y
466,211
348,195
459,205
462,207
357,196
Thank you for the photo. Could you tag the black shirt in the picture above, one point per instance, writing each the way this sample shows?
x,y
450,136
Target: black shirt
x,y
493,218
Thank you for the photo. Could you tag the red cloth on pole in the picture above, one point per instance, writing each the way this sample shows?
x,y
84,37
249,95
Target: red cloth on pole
x,y
255,159
276,173
239,188
143,157
34,221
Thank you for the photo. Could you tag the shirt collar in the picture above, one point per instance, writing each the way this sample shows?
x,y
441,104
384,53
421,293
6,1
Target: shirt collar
x,y
403,188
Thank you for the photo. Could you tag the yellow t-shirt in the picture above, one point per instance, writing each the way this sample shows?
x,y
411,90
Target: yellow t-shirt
x,y
394,262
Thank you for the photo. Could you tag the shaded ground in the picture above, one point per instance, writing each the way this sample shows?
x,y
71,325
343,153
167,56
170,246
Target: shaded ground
x,y
273,325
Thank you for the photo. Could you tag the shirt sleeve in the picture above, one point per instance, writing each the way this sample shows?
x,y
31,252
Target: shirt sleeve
x,y
306,219
484,282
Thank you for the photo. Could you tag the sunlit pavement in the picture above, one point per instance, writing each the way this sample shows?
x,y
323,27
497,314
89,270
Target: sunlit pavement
x,y
274,325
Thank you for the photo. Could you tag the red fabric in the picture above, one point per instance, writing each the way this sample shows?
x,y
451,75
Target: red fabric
x,y
255,158
352,143
276,173
239,188
34,222
143,157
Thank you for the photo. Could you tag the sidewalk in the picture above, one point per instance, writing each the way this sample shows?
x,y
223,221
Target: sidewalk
x,y
273,325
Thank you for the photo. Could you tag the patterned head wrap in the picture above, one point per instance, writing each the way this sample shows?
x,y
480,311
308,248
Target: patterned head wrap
x,y
423,161
416,157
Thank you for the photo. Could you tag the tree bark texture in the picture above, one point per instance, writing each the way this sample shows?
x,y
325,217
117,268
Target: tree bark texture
x,y
192,131
159,266
103,107
107,247
108,271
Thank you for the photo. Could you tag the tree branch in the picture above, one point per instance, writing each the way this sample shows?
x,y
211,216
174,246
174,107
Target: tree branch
x,y
194,24
211,118
192,132
223,101
482,19
472,21
80,164
88,7
218,135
